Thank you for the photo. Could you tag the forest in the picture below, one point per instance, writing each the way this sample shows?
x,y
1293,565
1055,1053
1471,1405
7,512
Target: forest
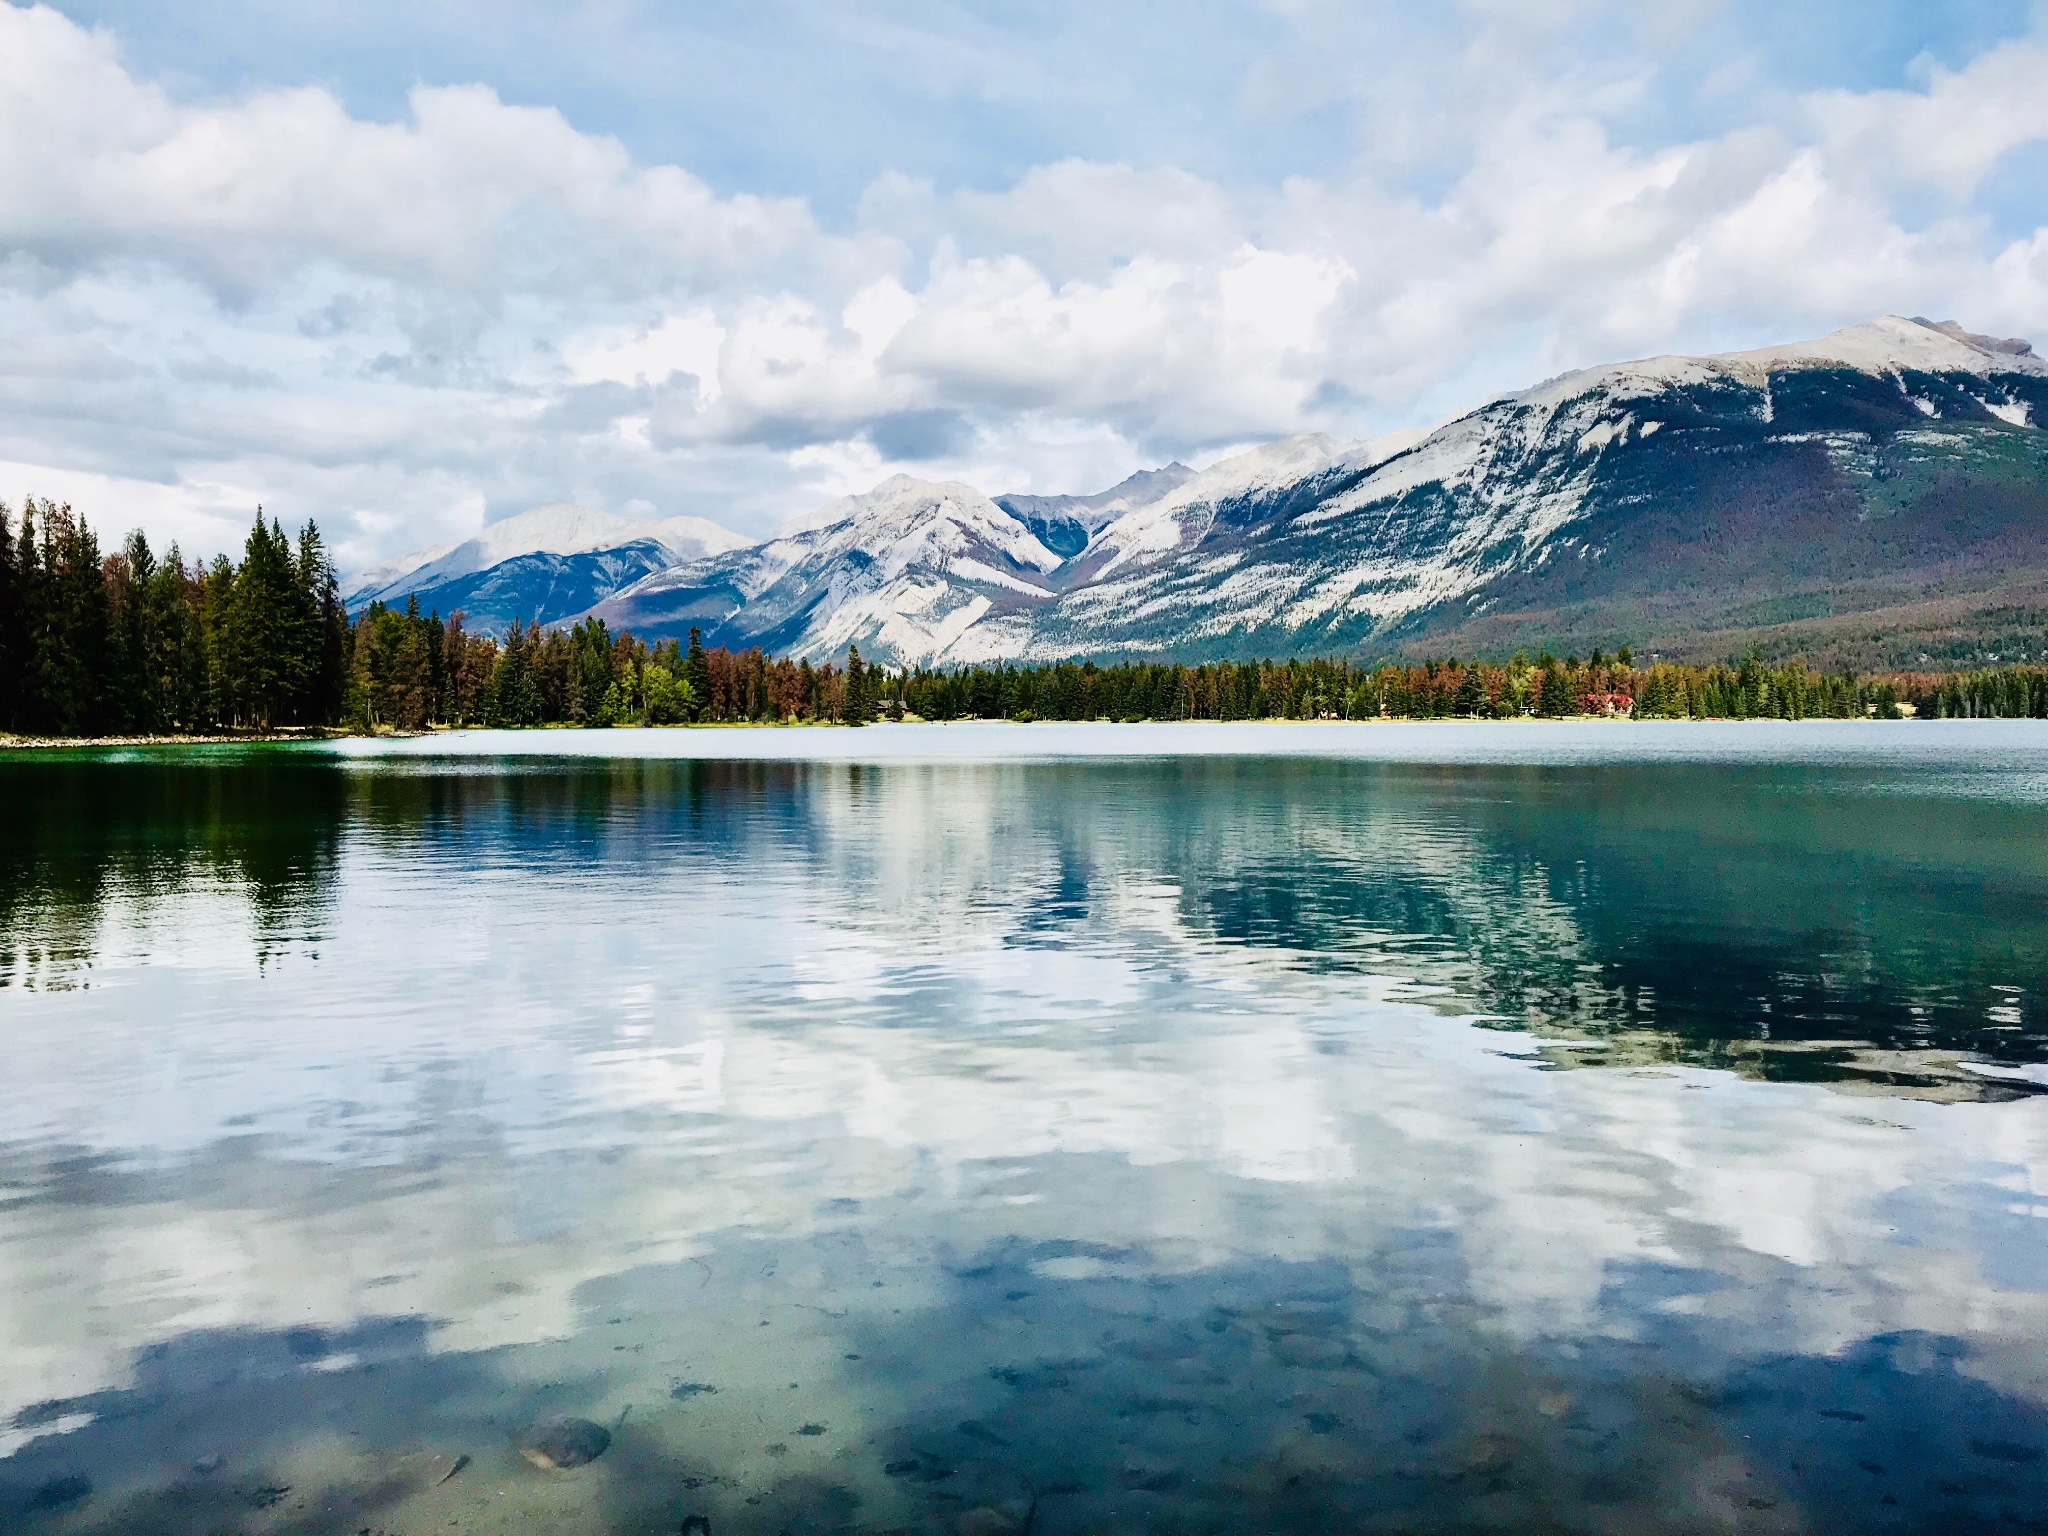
x,y
127,642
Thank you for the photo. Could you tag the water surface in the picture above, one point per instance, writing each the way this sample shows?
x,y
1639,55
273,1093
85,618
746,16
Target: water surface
x,y
1030,1128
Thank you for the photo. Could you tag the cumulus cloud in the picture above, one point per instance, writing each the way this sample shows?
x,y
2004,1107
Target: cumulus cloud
x,y
407,327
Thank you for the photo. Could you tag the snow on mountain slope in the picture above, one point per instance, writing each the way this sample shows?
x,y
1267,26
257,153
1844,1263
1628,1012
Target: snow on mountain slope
x,y
562,528
692,538
367,583
904,571
1593,482
1308,544
1182,518
1890,346
1065,524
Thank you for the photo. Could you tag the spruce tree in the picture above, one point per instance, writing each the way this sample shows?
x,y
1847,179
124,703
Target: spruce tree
x,y
1471,694
73,643
12,637
513,697
135,644
697,673
173,597
323,636
412,672
266,632
855,710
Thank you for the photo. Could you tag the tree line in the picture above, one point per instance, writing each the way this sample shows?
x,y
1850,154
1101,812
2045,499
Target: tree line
x,y
411,673
1543,687
127,642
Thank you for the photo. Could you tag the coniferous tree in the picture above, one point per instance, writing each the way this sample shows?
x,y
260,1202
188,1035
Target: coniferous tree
x,y
32,712
411,672
1472,694
323,631
266,631
592,665
513,698
132,703
697,673
71,643
855,710
13,635
175,597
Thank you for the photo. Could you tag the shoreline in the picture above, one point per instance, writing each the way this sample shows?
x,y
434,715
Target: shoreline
x,y
25,744
10,743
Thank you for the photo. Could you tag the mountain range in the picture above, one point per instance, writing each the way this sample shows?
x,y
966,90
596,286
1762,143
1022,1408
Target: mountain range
x,y
542,565
1878,497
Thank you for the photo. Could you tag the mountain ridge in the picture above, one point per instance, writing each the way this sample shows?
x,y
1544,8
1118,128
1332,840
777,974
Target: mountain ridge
x,y
1878,470
539,564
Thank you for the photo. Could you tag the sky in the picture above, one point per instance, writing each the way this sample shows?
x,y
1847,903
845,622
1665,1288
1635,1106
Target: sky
x,y
407,270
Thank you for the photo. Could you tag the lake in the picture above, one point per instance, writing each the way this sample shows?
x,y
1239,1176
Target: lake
x,y
1040,1129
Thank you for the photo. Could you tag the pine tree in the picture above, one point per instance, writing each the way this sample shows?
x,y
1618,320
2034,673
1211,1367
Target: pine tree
x,y
1471,694
72,645
697,673
461,700
134,643
512,698
855,710
323,634
174,599
266,631
411,672
13,636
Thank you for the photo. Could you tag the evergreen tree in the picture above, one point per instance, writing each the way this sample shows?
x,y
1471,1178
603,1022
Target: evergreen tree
x,y
513,698
1472,694
266,632
855,711
134,641
697,673
412,672
364,706
13,635
72,643
323,632
174,597
1555,698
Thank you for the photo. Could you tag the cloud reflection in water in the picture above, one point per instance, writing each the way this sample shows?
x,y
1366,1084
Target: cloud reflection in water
x,y
1161,1120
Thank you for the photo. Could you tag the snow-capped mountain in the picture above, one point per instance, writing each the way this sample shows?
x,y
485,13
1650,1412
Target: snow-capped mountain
x,y
1065,524
388,574
1673,501
1889,480
538,565
1612,504
907,569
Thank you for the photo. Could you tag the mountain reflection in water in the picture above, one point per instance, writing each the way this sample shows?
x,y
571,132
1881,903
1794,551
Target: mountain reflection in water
x,y
1025,1144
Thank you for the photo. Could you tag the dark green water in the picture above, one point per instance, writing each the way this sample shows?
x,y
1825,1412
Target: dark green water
x,y
990,1130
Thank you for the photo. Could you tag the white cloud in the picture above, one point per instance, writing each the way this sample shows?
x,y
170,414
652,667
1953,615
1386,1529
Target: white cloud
x,y
396,325
1948,135
651,355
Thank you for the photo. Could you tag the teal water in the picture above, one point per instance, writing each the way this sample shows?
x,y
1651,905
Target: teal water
x,y
1048,1129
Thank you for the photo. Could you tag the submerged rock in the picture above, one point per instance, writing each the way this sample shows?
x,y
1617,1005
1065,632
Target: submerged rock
x,y
555,1444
